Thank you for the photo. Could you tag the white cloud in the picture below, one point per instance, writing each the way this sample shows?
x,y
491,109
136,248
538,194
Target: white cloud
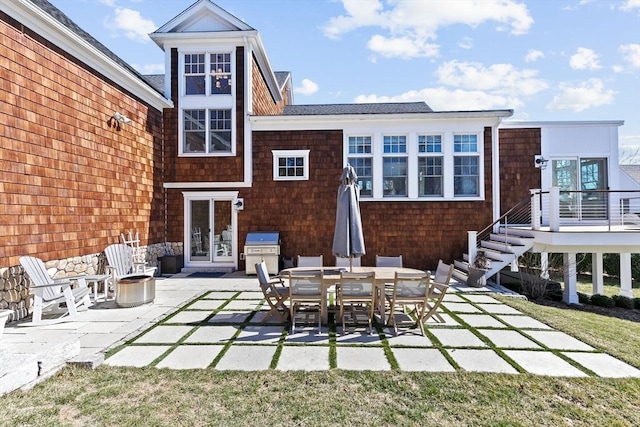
x,y
466,43
631,53
587,94
129,21
443,99
584,59
308,88
410,22
630,5
110,3
533,55
501,79
149,68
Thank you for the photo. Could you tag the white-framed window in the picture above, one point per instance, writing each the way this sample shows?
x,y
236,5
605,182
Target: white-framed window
x,y
207,131
360,157
290,165
466,165
394,166
430,166
218,65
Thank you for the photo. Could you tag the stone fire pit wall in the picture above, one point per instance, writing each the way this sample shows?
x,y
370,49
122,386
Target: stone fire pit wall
x,y
14,282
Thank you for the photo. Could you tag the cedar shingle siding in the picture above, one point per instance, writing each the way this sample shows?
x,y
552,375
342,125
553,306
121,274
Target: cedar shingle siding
x,y
517,173
70,183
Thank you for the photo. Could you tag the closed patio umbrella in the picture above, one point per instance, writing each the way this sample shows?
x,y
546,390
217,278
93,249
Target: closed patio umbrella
x,y
348,241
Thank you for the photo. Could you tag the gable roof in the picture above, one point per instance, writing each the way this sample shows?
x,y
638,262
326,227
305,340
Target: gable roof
x,y
52,24
205,20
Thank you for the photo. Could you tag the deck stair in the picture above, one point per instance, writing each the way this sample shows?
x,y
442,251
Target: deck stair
x,y
502,248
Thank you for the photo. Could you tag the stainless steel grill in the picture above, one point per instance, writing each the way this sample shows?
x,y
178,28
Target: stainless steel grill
x,y
262,245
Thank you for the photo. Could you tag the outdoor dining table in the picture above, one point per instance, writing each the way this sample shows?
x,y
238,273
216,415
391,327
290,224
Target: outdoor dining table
x,y
331,277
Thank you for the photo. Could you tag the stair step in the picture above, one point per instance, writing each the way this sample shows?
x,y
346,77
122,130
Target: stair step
x,y
461,265
495,255
520,232
508,238
459,275
501,246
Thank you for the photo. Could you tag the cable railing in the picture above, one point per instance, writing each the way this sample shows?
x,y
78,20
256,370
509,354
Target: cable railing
x,y
520,214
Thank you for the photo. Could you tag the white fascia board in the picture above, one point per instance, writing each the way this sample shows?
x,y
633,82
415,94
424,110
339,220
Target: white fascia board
x,y
52,30
326,122
167,41
218,184
534,124
265,66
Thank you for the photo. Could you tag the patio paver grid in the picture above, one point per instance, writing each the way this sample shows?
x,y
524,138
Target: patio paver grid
x,y
230,331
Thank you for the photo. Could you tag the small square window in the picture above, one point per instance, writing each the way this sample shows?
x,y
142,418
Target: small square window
x,y
395,144
290,165
465,143
429,144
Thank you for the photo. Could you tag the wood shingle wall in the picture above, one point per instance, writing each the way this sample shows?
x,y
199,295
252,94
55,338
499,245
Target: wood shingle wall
x,y
71,182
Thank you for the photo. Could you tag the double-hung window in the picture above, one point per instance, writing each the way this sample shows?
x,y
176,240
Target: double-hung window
x,y
394,165
220,75
220,71
207,131
361,159
194,75
466,166
430,165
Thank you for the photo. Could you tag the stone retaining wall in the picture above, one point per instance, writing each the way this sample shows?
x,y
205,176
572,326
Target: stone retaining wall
x,y
14,282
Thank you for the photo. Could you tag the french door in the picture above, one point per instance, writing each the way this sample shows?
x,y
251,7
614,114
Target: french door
x,y
210,228
580,181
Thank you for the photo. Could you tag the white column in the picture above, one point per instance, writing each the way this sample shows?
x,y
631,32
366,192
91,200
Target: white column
x,y
625,275
472,245
597,273
554,209
544,265
570,295
535,209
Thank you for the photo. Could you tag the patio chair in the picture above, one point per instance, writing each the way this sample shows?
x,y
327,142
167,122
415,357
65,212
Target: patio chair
x,y
50,293
121,264
441,277
274,291
344,262
357,290
310,261
388,261
409,289
306,289
437,291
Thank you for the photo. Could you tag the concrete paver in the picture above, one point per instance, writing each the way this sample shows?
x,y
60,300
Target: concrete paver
x,y
508,339
190,316
212,334
523,322
362,359
557,340
481,361
163,334
603,365
303,358
484,299
481,321
137,356
498,309
422,360
247,358
457,338
543,363
260,334
190,357
206,304
460,307
230,317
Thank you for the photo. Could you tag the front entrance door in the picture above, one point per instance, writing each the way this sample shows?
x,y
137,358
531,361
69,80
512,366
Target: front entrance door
x,y
581,182
210,229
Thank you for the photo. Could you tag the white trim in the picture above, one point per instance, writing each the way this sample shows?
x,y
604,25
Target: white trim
x,y
60,35
209,184
528,124
277,154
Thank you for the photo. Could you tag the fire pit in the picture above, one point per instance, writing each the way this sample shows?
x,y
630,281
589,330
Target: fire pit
x,y
133,291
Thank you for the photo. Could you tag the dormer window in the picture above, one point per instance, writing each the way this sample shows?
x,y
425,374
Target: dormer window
x,y
219,69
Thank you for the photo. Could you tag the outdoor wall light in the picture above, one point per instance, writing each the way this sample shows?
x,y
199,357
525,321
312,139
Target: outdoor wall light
x,y
117,119
239,204
540,162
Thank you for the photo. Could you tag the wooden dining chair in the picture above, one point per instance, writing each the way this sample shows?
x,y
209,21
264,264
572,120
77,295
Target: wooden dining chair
x,y
306,290
310,261
357,291
388,261
409,290
274,291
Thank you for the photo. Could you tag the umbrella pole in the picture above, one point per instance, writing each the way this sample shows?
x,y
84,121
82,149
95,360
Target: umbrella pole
x,y
350,264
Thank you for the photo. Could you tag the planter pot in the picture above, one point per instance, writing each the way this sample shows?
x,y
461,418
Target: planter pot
x,y
4,316
476,277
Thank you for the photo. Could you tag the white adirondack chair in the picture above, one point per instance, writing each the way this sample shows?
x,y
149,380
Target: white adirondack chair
x,y
49,292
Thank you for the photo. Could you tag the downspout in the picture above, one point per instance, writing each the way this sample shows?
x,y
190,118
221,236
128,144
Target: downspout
x,y
248,102
495,166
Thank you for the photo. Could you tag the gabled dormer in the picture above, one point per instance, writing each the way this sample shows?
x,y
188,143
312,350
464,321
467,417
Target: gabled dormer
x,y
217,73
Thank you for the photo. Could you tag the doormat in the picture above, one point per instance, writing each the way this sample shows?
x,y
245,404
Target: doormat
x,y
207,274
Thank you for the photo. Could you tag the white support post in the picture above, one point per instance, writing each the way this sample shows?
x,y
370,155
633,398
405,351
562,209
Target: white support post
x,y
597,273
625,275
570,295
535,209
472,245
544,265
554,209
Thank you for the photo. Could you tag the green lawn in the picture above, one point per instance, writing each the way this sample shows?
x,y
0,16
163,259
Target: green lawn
x,y
158,397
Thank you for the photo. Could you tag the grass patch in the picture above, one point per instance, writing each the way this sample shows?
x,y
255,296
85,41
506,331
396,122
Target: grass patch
x,y
158,397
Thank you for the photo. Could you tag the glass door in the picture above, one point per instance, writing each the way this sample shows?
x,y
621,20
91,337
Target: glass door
x,y
210,235
580,182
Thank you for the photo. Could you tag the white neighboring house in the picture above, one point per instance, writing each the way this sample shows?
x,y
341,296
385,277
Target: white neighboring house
x,y
584,201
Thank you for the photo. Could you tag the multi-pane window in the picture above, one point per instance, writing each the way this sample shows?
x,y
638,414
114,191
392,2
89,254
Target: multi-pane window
x,y
196,67
196,130
194,75
290,165
466,166
361,159
220,130
430,166
220,70
394,168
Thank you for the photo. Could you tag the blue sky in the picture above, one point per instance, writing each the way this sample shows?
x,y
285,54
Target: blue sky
x,y
545,59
